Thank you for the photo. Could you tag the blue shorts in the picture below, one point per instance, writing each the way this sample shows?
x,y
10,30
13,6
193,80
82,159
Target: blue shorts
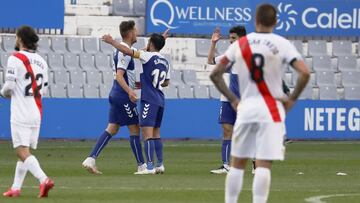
x,y
123,112
227,114
151,115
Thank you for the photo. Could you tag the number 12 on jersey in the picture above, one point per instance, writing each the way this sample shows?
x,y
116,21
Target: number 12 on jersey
x,y
158,78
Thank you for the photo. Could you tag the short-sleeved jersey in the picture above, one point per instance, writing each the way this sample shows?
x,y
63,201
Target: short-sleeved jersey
x,y
126,63
155,72
258,61
230,79
24,110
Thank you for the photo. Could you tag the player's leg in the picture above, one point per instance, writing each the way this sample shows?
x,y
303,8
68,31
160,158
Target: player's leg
x,y
243,147
90,162
136,147
261,182
158,142
270,137
147,115
227,119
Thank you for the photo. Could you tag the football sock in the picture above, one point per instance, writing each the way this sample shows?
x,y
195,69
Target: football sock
x,y
149,152
261,185
20,173
159,151
233,184
32,164
100,144
225,151
137,149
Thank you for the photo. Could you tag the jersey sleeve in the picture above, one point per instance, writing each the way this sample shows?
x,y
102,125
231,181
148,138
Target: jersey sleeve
x,y
291,53
144,56
11,76
123,61
218,59
230,53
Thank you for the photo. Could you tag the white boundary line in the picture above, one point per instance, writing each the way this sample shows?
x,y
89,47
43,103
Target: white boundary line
x,y
319,199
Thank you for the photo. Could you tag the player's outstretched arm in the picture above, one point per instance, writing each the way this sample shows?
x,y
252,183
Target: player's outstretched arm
x,y
216,77
304,76
214,39
108,39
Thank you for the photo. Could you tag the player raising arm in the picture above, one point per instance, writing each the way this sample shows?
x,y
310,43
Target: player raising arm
x,y
122,100
26,82
154,77
260,124
227,114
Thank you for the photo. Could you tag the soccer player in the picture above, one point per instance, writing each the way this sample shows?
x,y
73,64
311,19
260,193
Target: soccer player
x,y
260,125
26,82
227,115
154,77
123,111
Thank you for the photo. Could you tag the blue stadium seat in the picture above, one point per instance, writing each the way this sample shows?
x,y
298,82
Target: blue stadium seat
x,y
352,93
342,48
170,92
58,44
71,61
347,63
91,91
201,92
90,45
140,7
74,91
122,8
77,77
74,45
55,61
185,92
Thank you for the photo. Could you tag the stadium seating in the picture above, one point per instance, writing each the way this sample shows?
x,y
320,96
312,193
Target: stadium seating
x,y
342,48
170,92
91,91
185,92
55,61
8,43
61,76
74,45
71,61
3,59
87,62
325,78
317,48
321,63
328,92
58,90
90,45
347,63
77,77
44,45
122,8
58,45
350,78
104,90
214,93
202,47
140,7
201,92
102,61
74,91
93,78
352,93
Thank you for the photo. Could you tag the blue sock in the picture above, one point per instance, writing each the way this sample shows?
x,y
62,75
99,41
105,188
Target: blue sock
x,y
100,144
225,151
149,152
137,149
159,151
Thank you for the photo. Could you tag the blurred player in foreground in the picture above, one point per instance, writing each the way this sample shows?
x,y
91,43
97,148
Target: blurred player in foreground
x,y
154,77
122,100
260,125
26,82
227,115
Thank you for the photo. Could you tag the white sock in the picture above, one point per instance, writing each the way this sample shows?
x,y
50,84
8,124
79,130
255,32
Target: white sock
x,y
32,164
261,185
233,184
20,173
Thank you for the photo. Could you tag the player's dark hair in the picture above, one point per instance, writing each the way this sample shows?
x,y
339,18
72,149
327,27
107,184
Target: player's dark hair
x,y
238,30
266,15
158,41
125,27
28,37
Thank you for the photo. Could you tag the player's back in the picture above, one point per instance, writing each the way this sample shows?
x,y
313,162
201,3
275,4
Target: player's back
x,y
155,72
259,64
125,63
25,110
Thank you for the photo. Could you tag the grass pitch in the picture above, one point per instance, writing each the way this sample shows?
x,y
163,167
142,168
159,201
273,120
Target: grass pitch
x,y
187,178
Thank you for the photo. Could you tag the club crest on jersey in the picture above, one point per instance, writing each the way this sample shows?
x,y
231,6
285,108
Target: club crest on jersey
x,y
145,110
128,110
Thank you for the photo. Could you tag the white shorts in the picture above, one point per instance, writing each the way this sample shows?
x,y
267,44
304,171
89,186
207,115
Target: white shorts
x,y
261,141
24,136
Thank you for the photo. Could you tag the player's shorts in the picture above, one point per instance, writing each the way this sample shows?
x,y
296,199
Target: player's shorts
x,y
262,141
24,136
123,113
227,114
150,115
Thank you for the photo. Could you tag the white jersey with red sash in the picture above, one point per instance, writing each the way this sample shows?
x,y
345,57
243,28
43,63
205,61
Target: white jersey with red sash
x,y
258,61
29,71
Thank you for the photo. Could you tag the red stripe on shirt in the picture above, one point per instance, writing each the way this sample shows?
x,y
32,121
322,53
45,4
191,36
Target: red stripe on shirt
x,y
36,93
262,86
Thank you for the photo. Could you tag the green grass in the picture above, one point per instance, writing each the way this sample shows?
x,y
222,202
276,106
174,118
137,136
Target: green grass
x,y
187,177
